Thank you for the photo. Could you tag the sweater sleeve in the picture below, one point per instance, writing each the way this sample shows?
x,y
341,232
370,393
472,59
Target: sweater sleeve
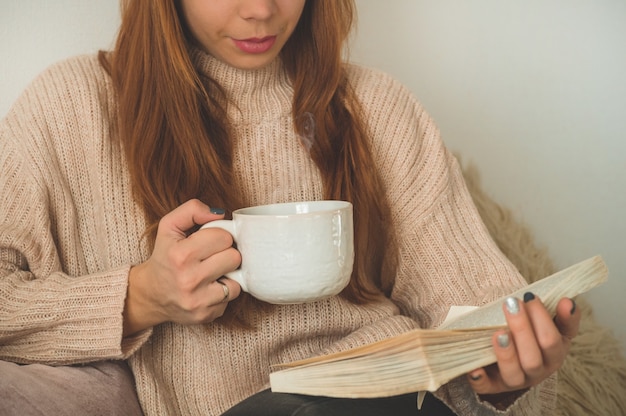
x,y
447,256
53,309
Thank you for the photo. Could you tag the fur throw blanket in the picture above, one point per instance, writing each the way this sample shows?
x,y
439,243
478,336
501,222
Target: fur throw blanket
x,y
592,380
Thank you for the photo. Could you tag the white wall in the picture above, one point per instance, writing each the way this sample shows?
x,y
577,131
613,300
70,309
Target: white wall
x,y
37,33
532,92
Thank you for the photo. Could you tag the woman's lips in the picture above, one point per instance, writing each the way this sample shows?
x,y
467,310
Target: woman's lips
x,y
255,45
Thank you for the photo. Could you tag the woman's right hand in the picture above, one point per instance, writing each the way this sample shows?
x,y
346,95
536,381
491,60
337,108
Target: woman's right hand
x,y
178,283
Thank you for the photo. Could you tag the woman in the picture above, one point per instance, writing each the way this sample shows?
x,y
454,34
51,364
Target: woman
x,y
110,164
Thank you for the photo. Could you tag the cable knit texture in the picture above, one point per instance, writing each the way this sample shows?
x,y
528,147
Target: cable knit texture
x,y
69,231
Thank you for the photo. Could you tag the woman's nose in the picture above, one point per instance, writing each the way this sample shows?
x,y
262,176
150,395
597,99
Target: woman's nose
x,y
257,9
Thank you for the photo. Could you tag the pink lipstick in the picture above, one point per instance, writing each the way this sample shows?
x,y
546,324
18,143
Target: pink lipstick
x,y
255,45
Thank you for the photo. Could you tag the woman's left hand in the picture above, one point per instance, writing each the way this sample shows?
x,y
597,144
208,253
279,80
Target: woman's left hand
x,y
534,346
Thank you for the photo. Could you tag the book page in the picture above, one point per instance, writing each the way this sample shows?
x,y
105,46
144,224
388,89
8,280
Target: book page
x,y
569,282
425,359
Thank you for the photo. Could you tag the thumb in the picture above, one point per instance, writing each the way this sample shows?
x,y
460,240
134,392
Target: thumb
x,y
185,217
567,318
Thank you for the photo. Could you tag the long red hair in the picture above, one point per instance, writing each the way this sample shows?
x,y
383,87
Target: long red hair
x,y
176,138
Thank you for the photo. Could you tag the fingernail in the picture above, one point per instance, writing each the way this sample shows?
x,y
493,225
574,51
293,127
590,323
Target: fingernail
x,y
528,296
217,211
503,340
512,305
573,307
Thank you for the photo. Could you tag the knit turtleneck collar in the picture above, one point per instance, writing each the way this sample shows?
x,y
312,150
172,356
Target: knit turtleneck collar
x,y
257,95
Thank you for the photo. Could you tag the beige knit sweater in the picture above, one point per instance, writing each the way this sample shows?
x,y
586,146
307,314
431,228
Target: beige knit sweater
x,y
69,231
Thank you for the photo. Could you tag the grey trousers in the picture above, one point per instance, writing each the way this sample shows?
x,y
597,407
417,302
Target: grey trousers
x,y
97,389
267,403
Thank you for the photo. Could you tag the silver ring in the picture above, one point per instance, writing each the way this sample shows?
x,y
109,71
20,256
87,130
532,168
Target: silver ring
x,y
226,291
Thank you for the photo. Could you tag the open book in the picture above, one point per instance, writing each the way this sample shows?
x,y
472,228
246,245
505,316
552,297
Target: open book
x,y
424,359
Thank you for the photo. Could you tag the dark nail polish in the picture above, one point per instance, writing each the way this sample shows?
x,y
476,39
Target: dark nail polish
x,y
217,211
476,377
573,307
528,296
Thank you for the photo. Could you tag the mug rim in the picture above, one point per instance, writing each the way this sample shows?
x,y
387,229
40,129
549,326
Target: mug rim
x,y
318,206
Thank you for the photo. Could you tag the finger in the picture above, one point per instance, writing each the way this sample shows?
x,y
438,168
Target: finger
x,y
224,288
479,381
207,242
215,309
505,375
548,337
217,265
523,336
204,273
230,289
192,259
511,373
221,292
567,318
187,216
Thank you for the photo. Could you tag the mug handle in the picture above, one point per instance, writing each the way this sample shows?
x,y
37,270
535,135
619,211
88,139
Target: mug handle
x,y
229,226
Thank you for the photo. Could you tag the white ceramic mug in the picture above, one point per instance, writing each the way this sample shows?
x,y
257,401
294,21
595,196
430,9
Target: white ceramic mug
x,y
292,252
